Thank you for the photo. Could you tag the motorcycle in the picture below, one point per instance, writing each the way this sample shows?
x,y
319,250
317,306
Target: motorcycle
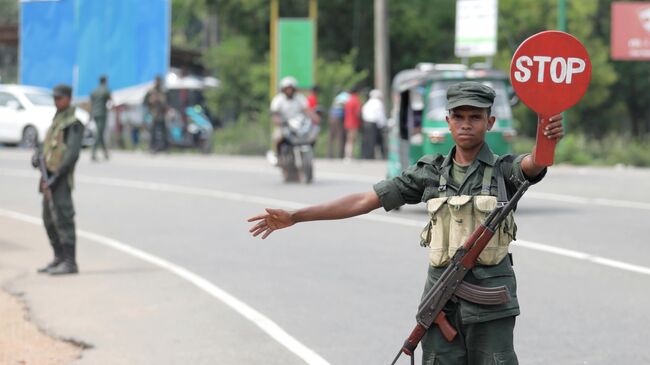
x,y
296,155
195,132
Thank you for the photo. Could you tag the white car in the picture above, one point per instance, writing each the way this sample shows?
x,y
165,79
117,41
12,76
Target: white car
x,y
26,113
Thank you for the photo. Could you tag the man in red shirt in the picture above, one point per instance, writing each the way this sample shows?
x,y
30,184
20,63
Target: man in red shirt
x,y
312,99
352,122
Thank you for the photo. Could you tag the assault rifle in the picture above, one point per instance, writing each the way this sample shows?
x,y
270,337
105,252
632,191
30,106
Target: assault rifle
x,y
451,282
47,192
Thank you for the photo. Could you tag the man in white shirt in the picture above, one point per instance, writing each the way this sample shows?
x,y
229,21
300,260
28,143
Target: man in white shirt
x,y
285,105
374,122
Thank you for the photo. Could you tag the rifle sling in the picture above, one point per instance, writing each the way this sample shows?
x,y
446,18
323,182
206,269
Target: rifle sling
x,y
502,193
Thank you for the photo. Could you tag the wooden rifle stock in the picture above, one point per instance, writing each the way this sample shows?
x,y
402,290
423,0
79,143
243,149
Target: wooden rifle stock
x,y
448,331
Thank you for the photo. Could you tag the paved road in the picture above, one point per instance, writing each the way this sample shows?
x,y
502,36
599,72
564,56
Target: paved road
x,y
170,275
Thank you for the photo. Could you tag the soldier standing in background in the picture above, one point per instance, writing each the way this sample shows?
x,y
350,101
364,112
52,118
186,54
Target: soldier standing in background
x,y
156,102
98,99
60,154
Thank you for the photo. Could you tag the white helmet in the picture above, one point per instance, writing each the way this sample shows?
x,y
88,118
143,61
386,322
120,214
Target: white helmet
x,y
288,81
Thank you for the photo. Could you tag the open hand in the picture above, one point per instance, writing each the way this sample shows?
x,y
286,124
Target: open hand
x,y
270,221
554,129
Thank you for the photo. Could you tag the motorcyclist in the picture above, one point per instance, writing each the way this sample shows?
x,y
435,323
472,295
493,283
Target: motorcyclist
x,y
287,104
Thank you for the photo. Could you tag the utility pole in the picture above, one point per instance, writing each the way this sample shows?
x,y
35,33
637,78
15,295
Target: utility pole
x,y
275,14
561,15
381,50
313,16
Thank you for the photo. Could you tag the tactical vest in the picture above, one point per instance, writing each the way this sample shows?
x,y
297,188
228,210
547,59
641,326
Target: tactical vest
x,y
54,146
454,218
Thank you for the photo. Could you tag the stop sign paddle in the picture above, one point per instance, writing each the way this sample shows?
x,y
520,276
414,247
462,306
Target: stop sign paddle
x,y
550,72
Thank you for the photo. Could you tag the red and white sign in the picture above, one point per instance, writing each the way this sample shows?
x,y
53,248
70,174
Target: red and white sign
x,y
550,72
630,35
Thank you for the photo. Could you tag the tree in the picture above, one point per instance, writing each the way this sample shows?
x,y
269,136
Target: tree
x,y
423,30
9,12
243,79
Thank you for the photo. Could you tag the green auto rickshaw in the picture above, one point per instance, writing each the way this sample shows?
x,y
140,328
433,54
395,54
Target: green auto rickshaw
x,y
418,126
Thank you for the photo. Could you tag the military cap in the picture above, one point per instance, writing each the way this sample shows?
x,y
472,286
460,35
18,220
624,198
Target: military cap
x,y
62,90
470,93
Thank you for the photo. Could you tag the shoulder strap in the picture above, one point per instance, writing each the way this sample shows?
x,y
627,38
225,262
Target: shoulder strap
x,y
442,187
487,180
502,193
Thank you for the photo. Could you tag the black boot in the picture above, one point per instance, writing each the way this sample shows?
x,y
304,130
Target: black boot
x,y
68,265
58,258
54,263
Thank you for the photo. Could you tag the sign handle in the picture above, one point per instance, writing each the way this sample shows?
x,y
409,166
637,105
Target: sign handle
x,y
544,147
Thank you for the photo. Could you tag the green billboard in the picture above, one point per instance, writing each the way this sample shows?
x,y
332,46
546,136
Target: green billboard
x,y
296,51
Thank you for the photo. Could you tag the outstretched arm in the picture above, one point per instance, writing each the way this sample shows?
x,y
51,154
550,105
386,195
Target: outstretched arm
x,y
346,207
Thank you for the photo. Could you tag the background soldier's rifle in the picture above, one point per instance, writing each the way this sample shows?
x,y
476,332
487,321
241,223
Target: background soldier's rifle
x,y
45,189
451,282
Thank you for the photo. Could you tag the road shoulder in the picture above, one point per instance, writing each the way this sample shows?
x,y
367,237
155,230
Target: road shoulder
x,y
123,309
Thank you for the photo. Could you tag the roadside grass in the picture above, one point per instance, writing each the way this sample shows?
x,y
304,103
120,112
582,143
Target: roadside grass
x,y
253,138
577,149
243,137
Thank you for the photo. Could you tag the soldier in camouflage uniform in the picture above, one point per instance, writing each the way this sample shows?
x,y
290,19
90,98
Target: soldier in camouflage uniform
x,y
98,99
466,181
60,154
156,103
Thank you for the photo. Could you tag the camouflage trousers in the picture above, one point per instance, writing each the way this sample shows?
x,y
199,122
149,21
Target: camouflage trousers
x,y
483,343
100,122
60,227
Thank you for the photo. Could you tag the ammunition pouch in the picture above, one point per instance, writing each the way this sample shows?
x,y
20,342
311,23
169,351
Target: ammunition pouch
x,y
452,221
54,146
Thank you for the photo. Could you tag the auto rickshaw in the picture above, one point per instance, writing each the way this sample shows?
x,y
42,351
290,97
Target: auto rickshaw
x,y
418,126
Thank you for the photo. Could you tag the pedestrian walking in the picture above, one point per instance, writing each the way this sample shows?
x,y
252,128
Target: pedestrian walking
x,y
336,133
57,161
457,188
98,109
351,122
374,122
156,103
312,99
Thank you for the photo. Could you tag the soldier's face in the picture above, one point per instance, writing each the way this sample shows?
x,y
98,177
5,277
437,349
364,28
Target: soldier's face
x,y
61,102
468,126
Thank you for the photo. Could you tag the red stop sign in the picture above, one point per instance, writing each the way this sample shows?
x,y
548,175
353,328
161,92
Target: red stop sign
x,y
550,72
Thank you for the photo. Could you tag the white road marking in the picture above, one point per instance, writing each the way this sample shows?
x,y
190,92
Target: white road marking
x,y
371,217
264,323
593,201
583,256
